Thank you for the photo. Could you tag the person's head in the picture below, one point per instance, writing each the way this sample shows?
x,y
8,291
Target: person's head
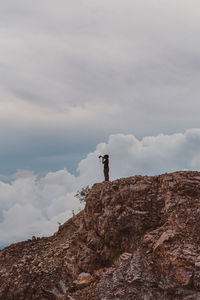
x,y
106,156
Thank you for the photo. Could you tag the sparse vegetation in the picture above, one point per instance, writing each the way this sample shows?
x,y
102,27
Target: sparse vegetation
x,y
82,194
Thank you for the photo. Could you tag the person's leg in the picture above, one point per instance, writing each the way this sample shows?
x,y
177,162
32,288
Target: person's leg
x,y
106,174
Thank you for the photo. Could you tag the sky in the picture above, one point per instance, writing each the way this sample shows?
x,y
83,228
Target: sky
x,y
83,78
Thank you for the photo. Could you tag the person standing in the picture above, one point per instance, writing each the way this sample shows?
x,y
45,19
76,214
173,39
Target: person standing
x,y
105,162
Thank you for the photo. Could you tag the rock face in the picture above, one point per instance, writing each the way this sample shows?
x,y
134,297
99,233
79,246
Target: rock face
x,y
137,238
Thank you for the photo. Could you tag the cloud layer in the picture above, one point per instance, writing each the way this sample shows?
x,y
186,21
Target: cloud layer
x,y
33,206
82,70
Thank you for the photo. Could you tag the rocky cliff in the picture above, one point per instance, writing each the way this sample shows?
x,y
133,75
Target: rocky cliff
x,y
137,238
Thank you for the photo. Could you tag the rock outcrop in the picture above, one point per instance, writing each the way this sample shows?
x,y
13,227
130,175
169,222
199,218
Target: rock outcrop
x,y
137,238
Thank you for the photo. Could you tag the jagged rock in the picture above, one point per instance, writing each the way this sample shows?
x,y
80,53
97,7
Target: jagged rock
x,y
138,237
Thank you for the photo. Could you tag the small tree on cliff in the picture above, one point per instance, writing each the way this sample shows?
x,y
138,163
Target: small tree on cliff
x,y
82,194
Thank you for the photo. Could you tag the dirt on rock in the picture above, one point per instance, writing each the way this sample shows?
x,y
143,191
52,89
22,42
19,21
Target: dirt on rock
x,y
137,238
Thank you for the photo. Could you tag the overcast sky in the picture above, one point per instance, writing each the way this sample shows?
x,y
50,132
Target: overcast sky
x,y
75,74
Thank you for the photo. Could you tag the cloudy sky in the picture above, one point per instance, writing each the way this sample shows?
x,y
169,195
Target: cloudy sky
x,y
82,78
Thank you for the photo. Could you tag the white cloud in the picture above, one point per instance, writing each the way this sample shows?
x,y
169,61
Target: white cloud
x,y
33,206
96,67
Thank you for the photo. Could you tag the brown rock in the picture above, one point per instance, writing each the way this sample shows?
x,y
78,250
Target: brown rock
x,y
138,237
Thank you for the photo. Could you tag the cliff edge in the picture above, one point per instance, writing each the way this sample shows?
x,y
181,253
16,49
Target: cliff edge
x,y
137,238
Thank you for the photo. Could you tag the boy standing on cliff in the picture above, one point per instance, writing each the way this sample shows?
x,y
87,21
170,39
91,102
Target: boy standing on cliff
x,y
105,162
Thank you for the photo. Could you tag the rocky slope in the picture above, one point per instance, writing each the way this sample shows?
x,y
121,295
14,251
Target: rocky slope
x,y
137,238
